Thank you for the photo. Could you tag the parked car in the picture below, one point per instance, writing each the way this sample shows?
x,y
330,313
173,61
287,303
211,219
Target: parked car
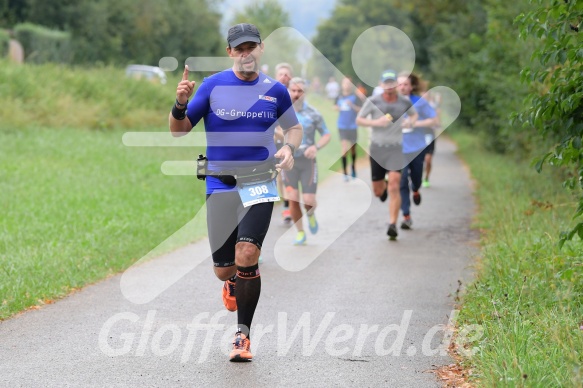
x,y
151,73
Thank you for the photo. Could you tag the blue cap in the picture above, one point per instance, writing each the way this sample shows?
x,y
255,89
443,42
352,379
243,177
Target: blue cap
x,y
388,75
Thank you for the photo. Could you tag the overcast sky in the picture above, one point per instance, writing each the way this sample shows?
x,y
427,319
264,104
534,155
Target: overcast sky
x,y
304,14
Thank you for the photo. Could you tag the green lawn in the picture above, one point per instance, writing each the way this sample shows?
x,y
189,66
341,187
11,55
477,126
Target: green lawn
x,y
78,205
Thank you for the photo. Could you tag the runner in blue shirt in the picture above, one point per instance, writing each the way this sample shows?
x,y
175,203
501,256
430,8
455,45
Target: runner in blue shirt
x,y
240,108
348,104
305,170
414,145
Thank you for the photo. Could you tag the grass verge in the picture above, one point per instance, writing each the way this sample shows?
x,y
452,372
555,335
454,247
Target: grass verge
x,y
78,205
528,295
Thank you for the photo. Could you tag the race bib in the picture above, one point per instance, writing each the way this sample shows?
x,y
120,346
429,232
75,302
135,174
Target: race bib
x,y
428,138
253,193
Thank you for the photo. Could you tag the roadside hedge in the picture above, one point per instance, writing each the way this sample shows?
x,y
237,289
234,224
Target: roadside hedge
x,y
42,44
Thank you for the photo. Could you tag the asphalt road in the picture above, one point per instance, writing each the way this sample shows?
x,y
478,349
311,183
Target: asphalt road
x,y
348,309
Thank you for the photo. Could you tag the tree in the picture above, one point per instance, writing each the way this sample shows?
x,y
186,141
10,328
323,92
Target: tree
x,y
268,16
12,12
54,14
332,36
504,55
124,31
458,38
555,107
336,36
194,31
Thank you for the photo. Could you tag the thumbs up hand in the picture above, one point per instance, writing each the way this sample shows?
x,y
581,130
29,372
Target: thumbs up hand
x,y
185,88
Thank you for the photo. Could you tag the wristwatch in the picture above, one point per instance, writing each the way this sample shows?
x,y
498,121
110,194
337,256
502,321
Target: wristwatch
x,y
291,147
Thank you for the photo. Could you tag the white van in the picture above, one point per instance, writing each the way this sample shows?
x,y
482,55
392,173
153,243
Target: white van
x,y
151,73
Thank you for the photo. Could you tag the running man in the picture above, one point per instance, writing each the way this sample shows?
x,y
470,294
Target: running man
x,y
240,107
283,73
386,149
413,145
305,170
348,104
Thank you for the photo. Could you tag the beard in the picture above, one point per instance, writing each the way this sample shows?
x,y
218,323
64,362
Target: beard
x,y
247,72
298,103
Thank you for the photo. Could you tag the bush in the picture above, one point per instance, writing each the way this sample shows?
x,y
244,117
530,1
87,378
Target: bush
x,y
555,106
43,45
4,41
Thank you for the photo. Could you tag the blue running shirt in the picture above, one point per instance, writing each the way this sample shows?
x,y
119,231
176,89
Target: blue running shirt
x,y
239,119
347,115
415,141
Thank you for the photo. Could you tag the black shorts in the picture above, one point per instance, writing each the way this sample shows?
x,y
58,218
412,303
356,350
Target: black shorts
x,y
430,149
228,223
385,158
348,134
305,171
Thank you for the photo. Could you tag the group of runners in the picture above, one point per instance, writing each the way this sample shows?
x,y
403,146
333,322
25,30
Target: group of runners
x,y
262,142
402,141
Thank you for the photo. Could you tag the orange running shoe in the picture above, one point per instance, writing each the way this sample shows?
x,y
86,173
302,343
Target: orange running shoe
x,y
286,215
241,349
229,296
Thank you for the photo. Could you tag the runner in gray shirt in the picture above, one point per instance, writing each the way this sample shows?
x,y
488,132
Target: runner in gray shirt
x,y
382,112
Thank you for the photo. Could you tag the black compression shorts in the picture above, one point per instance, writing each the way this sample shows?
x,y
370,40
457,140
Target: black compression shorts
x,y
228,223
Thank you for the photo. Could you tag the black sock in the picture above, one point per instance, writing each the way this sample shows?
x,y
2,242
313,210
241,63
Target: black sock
x,y
353,159
344,164
248,289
